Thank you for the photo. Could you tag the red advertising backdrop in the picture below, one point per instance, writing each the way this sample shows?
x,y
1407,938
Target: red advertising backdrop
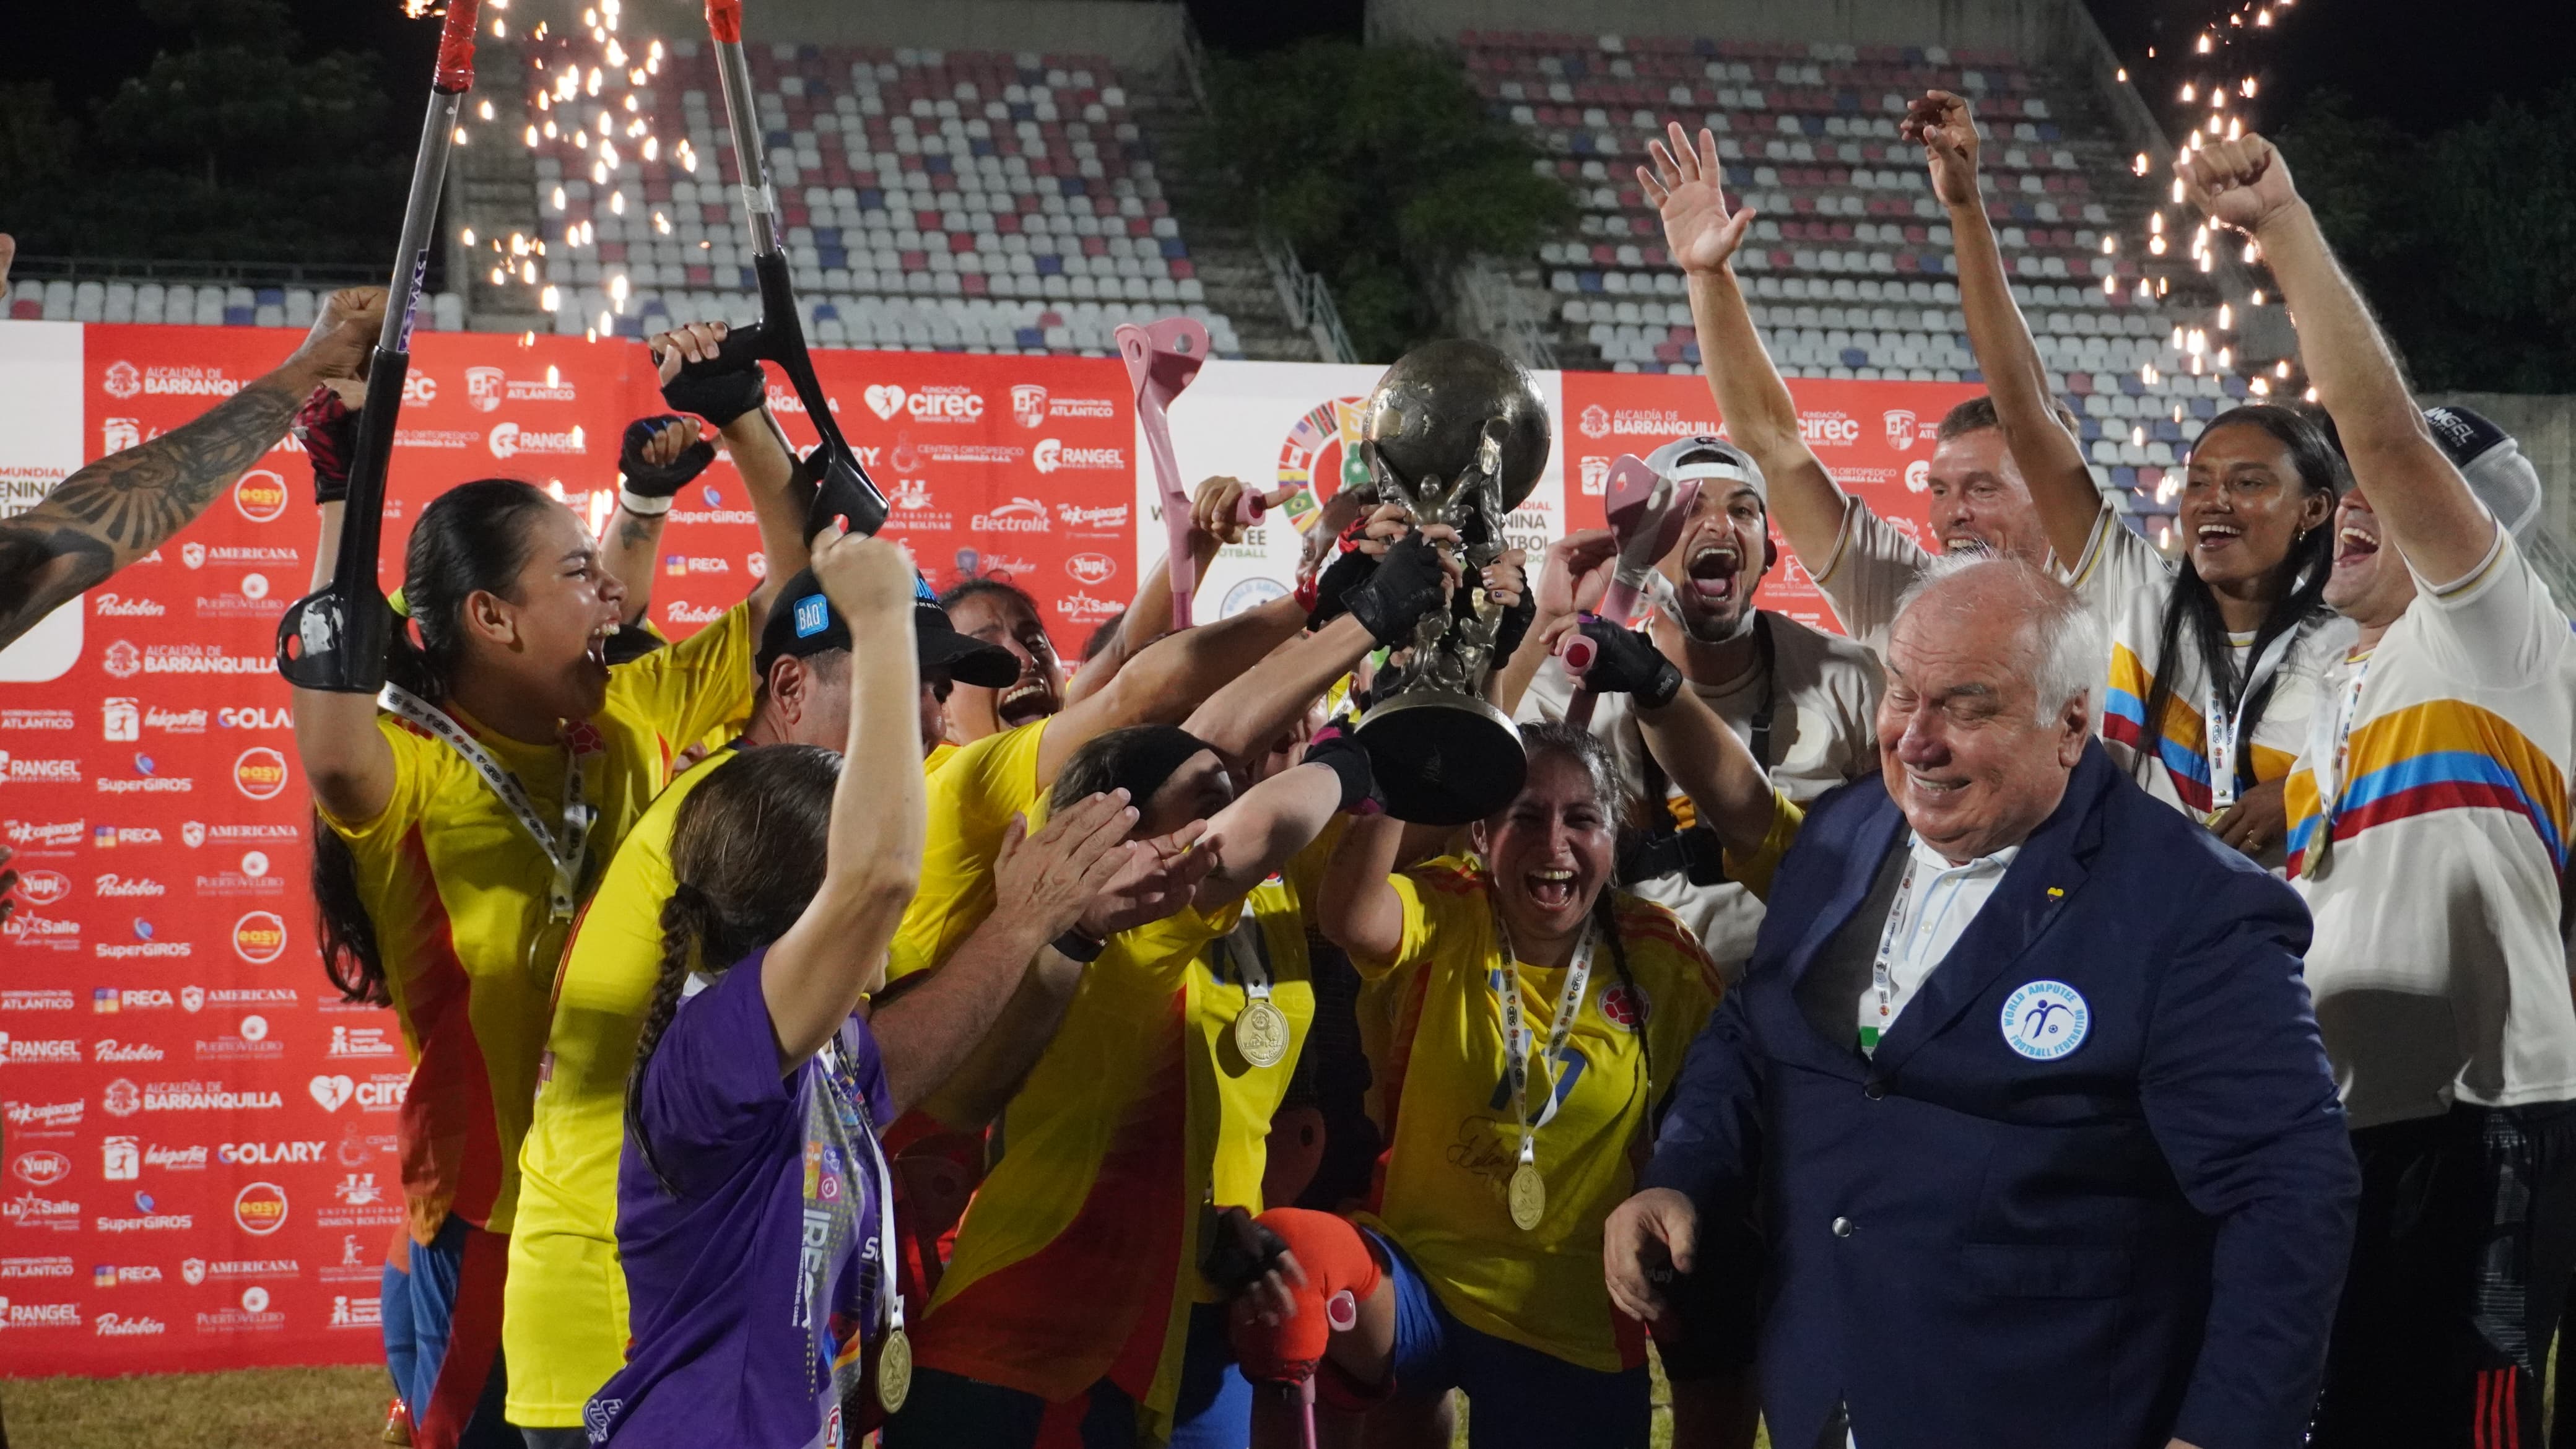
x,y
1874,437
198,1168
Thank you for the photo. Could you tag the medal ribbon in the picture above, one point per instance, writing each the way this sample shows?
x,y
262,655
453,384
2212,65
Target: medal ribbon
x,y
1882,976
1516,1032
2328,756
564,850
2223,727
889,1289
1250,953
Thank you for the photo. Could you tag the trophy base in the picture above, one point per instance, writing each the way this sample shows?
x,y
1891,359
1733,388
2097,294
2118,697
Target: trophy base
x,y
1443,759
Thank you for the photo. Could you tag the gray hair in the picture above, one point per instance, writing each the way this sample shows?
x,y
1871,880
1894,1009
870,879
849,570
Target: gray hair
x,y
2066,644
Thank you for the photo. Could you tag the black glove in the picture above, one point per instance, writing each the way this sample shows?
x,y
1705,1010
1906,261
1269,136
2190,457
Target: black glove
x,y
1406,585
719,397
1626,662
1333,586
1239,1251
1335,747
329,433
659,480
1513,627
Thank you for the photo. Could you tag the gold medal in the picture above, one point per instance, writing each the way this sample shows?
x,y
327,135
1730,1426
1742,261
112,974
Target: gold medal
x,y
1261,1033
1528,1197
894,1371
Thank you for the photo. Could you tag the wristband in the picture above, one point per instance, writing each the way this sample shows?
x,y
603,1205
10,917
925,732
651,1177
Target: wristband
x,y
1336,750
642,505
1073,945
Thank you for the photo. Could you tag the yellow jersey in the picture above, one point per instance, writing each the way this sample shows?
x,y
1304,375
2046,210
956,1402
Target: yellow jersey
x,y
974,792
1454,1141
458,894
1077,1260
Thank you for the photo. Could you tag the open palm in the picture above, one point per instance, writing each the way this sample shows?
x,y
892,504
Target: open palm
x,y
1699,231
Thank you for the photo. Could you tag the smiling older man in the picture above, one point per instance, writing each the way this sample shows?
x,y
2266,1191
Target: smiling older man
x,y
2046,1147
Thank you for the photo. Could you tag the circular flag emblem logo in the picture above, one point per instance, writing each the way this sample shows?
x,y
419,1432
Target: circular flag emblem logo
x,y
2046,1020
1622,1007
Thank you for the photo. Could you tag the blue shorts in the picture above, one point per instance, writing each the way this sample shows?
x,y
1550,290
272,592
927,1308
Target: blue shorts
x,y
1214,1410
442,1327
1516,1396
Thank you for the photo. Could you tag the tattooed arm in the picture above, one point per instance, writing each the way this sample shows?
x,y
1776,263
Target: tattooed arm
x,y
123,506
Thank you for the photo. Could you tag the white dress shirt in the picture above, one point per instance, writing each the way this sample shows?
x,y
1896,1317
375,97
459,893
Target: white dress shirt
x,y
1930,918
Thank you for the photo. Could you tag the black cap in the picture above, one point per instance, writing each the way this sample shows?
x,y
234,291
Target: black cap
x,y
803,622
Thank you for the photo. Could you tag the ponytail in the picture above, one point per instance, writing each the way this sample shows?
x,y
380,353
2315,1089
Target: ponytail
x,y
685,919
350,958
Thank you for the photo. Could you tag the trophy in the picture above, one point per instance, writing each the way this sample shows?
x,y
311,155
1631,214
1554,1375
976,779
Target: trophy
x,y
1456,434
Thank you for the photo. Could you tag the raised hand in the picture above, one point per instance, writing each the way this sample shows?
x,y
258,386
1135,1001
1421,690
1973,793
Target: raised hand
x,y
864,577
1699,231
2242,183
343,334
1576,572
1940,123
1056,874
1160,876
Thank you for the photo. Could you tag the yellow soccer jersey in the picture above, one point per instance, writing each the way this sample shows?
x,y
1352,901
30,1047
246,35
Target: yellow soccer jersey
x,y
974,793
563,1327
458,895
1076,1261
1454,1144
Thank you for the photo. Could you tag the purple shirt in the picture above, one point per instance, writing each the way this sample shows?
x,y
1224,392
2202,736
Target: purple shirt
x,y
752,1278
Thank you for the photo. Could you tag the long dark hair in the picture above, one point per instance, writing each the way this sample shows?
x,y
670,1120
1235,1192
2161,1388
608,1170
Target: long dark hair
x,y
2321,469
1592,755
747,853
472,537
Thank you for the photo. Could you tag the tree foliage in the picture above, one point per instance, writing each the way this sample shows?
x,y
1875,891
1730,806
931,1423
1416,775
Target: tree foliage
x,y
228,147
1383,168
2464,239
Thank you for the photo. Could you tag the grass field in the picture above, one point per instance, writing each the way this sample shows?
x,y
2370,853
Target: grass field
x,y
322,1408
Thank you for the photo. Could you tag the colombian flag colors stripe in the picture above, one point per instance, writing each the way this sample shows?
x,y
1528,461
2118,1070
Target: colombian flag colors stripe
x,y
2445,754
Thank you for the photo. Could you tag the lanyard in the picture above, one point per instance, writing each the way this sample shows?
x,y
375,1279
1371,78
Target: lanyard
x,y
2223,727
889,1290
1249,952
1882,976
565,850
1516,1032
2328,757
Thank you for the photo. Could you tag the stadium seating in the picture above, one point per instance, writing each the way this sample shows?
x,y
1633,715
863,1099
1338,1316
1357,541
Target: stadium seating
x,y
1849,263
956,201
200,304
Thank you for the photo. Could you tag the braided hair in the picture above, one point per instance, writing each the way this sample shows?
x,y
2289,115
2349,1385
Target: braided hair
x,y
1588,752
748,851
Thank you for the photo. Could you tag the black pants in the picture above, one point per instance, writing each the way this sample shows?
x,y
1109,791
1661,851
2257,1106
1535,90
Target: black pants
x,y
2460,1265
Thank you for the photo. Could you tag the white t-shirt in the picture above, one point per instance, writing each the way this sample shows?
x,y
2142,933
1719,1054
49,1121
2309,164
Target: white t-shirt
x,y
2437,970
1823,692
1872,564
2126,582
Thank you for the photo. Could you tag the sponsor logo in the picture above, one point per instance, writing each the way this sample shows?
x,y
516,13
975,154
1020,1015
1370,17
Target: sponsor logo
x,y
44,1267
945,403
14,1314
36,719
1018,515
486,388
109,837
252,717
16,769
2045,1020
121,660
260,496
193,997
1902,428
50,835
148,781
1083,608
1596,476
121,719
123,1098
1091,568
112,884
122,380
260,1209
41,1051
29,929
680,611
142,947
250,1040
358,1189
195,834
40,1169
43,887
106,1275
27,1210
349,1312
910,495
253,1316
683,565
107,1000
115,435
124,661
1663,424
1829,430
1028,404
175,721
120,1325
120,606
509,440
109,1049
259,937
191,1158
120,1158
43,1118
1051,454
252,879
1918,475
146,1218
1595,421
260,773
38,999
1107,516
268,1154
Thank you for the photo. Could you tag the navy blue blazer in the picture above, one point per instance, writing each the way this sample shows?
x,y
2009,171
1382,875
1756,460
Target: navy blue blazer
x,y
2137,1238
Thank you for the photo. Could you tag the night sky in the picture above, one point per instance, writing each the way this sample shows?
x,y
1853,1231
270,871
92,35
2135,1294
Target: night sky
x,y
2386,53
